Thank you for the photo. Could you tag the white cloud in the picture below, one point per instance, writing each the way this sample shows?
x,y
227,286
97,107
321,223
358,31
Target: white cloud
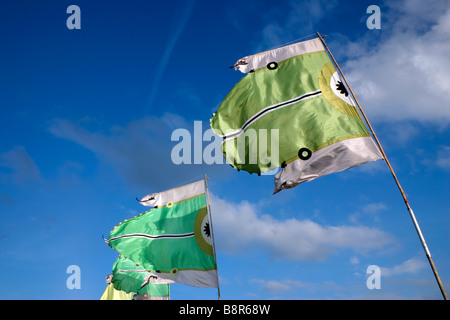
x,y
407,74
411,266
240,228
399,73
373,208
277,286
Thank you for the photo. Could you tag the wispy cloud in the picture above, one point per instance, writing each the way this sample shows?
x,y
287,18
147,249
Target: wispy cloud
x,y
371,210
140,152
301,19
180,24
443,158
411,266
277,286
20,164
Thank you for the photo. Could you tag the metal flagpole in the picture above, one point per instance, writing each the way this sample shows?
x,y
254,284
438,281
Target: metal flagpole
x,y
212,236
411,212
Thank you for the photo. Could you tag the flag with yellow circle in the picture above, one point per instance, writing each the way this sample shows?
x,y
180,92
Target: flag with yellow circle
x,y
295,94
172,241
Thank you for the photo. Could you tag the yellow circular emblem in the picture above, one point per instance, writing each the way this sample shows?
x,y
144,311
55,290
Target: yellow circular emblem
x,y
202,231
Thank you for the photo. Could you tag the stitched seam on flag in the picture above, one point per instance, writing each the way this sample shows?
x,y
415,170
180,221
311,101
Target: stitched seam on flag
x,y
152,237
269,109
131,271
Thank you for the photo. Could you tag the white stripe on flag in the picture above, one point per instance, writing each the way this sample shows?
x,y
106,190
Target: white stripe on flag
x,y
266,110
152,237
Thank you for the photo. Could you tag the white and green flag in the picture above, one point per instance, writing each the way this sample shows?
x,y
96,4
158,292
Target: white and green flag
x,y
131,278
172,241
292,110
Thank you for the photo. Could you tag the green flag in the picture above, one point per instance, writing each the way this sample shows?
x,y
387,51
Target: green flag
x,y
292,110
172,241
129,277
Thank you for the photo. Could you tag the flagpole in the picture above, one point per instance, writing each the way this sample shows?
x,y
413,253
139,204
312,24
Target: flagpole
x,y
212,237
411,212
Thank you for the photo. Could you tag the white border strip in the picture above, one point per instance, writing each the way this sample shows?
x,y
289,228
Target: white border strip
x,y
174,195
337,157
261,59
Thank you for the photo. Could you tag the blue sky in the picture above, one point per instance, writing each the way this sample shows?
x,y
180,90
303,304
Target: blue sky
x,y
87,118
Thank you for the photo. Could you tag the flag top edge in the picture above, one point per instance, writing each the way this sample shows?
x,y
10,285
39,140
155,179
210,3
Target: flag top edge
x,y
262,59
174,195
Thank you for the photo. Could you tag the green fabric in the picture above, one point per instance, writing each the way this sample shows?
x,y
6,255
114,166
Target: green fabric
x,y
167,255
129,277
312,123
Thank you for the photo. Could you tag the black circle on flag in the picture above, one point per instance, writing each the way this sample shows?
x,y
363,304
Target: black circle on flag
x,y
304,153
272,65
202,231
